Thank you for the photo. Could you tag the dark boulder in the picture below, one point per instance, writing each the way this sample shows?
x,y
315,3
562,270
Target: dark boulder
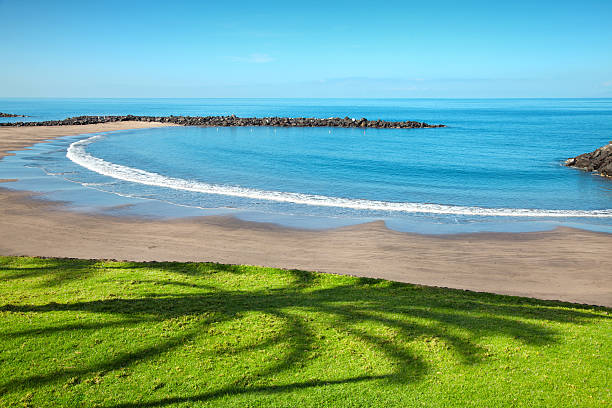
x,y
599,160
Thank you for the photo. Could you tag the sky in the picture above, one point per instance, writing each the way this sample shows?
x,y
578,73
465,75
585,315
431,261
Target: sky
x,y
378,49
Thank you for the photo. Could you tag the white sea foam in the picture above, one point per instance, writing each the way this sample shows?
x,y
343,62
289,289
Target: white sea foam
x,y
78,154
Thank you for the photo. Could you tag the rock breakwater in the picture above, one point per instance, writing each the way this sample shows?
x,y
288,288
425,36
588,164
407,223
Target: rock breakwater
x,y
599,160
11,115
219,121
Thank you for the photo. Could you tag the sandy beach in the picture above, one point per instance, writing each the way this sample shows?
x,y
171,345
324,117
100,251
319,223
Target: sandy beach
x,y
564,264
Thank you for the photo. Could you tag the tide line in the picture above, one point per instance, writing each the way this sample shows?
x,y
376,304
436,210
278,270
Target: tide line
x,y
78,154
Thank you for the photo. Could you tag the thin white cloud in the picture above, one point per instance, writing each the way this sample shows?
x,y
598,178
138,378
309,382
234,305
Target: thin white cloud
x,y
607,84
253,58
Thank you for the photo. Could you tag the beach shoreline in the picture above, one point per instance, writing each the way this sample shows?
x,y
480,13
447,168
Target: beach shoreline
x,y
563,264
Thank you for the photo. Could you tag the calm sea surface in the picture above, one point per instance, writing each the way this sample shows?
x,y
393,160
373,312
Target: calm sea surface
x,y
496,167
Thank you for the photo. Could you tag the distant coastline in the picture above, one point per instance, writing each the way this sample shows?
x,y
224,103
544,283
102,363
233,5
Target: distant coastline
x,y
218,121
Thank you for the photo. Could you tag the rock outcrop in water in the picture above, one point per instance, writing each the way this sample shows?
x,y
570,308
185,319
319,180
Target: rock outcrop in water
x,y
11,115
599,160
218,121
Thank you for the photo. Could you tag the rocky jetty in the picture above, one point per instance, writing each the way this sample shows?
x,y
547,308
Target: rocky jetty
x,y
10,115
599,160
218,121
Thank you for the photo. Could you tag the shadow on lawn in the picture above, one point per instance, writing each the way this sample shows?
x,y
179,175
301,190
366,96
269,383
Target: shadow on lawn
x,y
389,305
54,271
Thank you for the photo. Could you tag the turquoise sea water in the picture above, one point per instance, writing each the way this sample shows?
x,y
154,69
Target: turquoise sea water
x,y
496,167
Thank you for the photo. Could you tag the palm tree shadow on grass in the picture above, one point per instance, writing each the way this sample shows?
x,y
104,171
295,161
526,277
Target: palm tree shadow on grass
x,y
400,307
53,272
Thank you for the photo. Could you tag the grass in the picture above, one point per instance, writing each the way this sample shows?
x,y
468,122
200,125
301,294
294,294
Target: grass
x,y
80,333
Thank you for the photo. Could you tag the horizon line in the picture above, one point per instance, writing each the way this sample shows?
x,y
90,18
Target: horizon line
x,y
302,97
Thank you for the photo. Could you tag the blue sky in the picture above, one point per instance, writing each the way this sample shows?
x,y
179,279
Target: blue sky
x,y
432,48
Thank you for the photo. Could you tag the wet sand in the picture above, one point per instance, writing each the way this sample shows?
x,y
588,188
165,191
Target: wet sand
x,y
564,264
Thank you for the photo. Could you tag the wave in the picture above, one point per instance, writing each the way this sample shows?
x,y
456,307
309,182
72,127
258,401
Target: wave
x,y
77,153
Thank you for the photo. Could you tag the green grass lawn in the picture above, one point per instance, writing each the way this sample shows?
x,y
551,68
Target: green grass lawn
x,y
110,334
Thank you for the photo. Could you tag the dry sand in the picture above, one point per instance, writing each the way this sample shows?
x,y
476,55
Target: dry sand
x,y
564,264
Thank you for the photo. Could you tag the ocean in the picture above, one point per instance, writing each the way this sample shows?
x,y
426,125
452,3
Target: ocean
x,y
497,166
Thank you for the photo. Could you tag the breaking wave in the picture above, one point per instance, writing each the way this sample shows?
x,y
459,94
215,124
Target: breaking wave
x,y
78,154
